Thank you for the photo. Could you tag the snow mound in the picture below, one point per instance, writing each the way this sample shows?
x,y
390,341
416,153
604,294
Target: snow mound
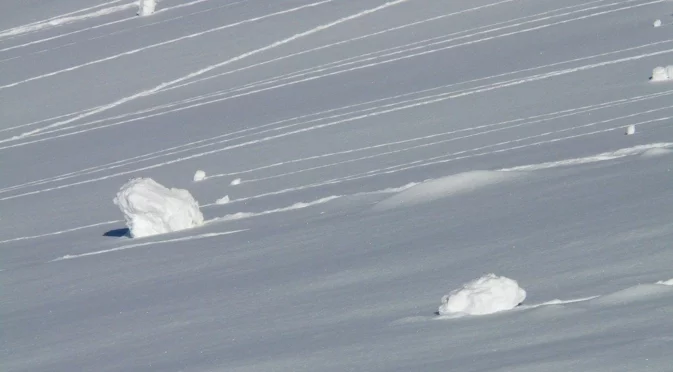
x,y
235,182
486,295
223,200
442,187
150,208
199,176
146,7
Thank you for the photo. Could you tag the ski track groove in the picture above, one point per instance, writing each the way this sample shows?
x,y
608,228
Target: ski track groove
x,y
438,98
42,131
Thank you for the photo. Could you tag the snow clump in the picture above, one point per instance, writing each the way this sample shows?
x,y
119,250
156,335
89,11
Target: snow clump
x,y
661,73
657,23
199,176
146,7
222,200
235,182
150,208
486,295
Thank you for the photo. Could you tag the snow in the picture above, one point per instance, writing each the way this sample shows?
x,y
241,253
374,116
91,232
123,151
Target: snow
x,y
235,182
223,200
630,130
390,151
443,187
199,175
660,73
151,209
486,295
657,23
146,7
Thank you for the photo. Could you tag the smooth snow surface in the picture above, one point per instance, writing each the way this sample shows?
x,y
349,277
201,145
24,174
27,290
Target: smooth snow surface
x,y
151,209
374,154
486,295
199,175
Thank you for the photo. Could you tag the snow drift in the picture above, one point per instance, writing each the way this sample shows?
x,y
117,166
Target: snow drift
x,y
486,295
150,208
432,190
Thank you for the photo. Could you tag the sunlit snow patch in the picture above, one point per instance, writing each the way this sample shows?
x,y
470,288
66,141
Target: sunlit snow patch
x,y
486,295
442,187
150,208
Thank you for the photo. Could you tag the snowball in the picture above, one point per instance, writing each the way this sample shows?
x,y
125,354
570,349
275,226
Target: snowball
x,y
631,129
146,7
235,182
486,295
223,200
659,74
199,176
150,208
657,23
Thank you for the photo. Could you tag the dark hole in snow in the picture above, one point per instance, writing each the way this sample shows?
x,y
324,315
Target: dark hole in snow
x,y
118,233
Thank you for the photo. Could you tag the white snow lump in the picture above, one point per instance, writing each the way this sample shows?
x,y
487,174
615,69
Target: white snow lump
x,y
150,208
486,295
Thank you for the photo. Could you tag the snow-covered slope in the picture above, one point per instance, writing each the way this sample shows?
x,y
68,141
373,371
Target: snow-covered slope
x,y
375,155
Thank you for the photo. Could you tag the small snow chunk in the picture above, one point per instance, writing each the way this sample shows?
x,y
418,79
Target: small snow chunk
x,y
146,7
486,295
659,74
150,208
223,200
199,176
657,23
235,182
631,129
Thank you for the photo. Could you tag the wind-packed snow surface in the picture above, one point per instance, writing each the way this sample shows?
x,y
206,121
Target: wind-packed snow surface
x,y
486,295
151,209
363,159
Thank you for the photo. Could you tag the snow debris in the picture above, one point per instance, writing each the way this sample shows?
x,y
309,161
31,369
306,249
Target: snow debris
x,y
223,200
657,23
486,295
146,7
660,73
235,182
150,208
199,176
631,129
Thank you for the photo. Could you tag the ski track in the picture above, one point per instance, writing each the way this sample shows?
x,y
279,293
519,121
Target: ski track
x,y
60,232
64,18
285,57
44,131
155,242
156,45
231,60
341,63
442,97
161,10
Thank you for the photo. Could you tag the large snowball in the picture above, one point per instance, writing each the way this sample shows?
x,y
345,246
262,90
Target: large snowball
x,y
486,295
150,208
